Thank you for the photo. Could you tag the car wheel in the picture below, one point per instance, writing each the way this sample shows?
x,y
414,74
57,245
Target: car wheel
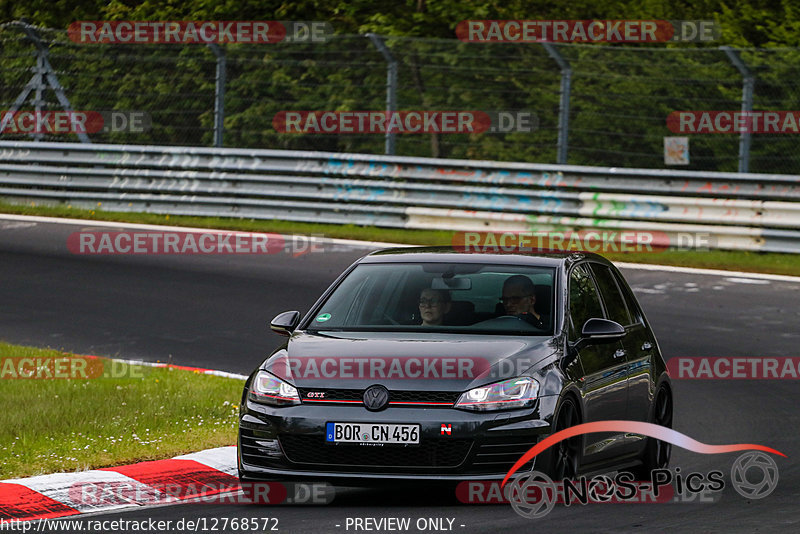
x,y
656,452
563,462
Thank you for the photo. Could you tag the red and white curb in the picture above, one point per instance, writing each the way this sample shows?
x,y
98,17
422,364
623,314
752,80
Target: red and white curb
x,y
185,477
199,370
208,472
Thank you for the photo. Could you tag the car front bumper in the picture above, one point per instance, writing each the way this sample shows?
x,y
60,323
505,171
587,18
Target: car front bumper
x,y
289,443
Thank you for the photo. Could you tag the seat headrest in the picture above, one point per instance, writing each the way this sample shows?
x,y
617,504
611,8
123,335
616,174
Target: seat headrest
x,y
543,296
461,312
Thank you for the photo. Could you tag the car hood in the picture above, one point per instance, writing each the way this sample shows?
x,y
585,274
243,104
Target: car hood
x,y
403,361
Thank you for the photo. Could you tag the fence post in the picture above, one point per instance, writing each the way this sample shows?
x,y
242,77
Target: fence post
x,y
391,86
219,94
563,102
43,75
40,87
748,82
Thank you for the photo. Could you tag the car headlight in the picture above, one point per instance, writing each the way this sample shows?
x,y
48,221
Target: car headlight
x,y
505,395
269,389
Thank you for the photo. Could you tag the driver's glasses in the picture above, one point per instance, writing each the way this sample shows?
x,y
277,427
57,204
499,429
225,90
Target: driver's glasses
x,y
430,302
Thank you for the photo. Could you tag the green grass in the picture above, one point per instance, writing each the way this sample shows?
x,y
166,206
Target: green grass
x,y
760,262
58,425
345,231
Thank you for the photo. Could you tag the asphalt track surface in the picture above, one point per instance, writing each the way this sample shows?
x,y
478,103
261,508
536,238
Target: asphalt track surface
x,y
212,311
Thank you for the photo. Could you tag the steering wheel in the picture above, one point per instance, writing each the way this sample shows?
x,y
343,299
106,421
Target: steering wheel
x,y
517,317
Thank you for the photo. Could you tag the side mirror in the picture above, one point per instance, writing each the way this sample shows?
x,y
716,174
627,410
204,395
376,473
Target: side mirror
x,y
285,323
599,331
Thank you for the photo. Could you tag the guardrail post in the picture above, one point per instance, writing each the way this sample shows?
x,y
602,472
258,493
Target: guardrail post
x,y
43,75
219,94
748,82
563,102
391,86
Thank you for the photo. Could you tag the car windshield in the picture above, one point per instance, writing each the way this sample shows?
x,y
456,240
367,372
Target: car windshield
x,y
441,297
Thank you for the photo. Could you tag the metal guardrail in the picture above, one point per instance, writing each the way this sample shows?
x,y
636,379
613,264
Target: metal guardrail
x,y
735,210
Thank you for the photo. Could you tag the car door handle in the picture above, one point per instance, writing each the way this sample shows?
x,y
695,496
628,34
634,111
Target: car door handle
x,y
620,353
647,345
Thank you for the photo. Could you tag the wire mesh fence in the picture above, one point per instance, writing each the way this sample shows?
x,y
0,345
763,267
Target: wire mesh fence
x,y
620,96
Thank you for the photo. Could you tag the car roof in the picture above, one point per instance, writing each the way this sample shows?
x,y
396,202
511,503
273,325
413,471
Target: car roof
x,y
454,255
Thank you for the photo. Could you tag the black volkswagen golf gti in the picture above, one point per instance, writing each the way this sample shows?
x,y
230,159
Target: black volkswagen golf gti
x,y
431,364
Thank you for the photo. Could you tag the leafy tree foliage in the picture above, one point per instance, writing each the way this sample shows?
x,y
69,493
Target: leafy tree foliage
x,y
621,95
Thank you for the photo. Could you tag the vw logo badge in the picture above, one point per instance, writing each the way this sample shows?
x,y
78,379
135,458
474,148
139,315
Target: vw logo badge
x,y
376,398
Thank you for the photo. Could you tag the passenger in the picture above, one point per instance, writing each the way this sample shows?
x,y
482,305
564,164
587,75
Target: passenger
x,y
519,299
433,305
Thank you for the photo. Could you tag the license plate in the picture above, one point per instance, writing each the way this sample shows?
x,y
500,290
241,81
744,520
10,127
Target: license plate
x,y
371,433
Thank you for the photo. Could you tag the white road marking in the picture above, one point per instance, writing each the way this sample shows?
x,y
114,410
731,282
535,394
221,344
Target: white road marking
x,y
747,281
11,225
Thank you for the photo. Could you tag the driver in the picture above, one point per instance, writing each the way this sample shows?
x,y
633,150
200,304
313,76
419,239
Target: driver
x,y
433,305
519,299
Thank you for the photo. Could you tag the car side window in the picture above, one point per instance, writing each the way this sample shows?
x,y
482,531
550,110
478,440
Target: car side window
x,y
584,302
616,308
630,300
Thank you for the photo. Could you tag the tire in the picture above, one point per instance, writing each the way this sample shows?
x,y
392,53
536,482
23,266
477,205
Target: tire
x,y
564,456
657,453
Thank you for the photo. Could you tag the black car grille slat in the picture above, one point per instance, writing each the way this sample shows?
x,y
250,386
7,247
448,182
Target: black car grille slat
x,y
255,452
313,450
500,453
332,395
500,449
424,396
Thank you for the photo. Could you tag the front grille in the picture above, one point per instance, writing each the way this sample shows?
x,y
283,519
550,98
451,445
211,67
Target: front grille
x,y
424,396
497,455
332,394
313,450
435,398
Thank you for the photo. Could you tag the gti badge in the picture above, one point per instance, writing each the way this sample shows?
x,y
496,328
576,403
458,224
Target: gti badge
x,y
316,394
